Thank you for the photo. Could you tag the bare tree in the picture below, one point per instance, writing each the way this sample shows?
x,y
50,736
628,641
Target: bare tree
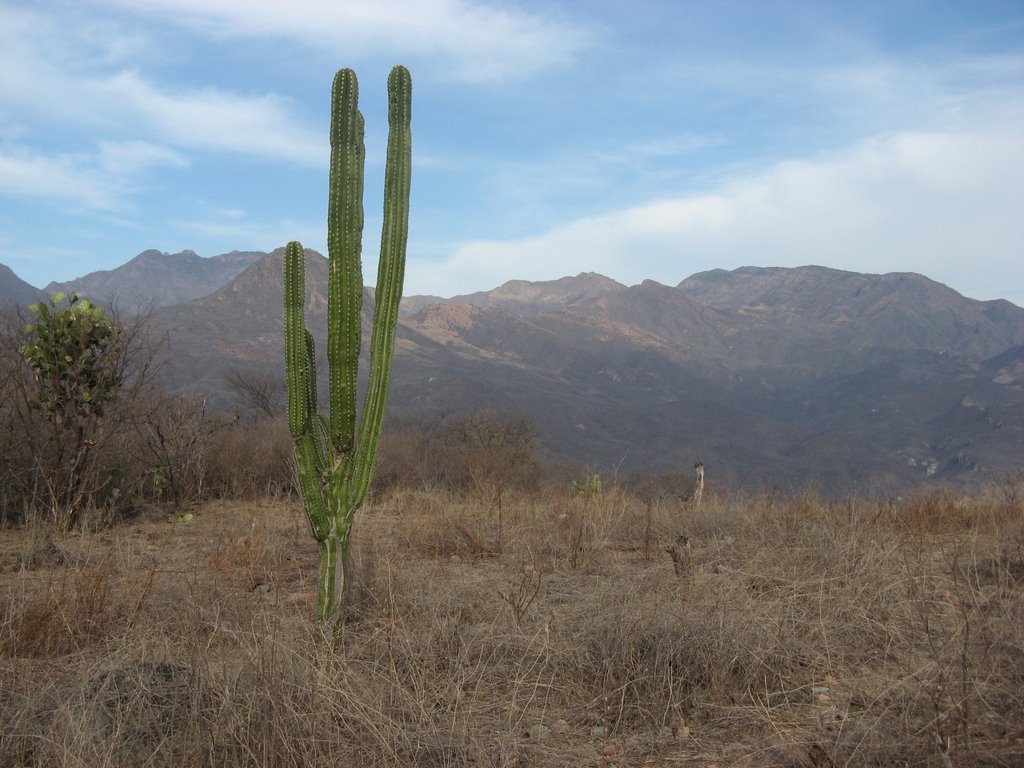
x,y
259,392
497,451
66,391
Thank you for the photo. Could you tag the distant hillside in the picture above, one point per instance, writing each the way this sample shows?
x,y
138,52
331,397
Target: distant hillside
x,y
238,326
14,290
521,297
898,310
856,383
154,279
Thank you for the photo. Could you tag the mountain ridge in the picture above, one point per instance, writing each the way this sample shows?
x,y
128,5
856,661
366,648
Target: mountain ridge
x,y
523,297
647,378
155,279
15,291
773,376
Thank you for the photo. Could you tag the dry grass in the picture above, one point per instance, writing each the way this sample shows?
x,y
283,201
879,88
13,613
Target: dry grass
x,y
801,633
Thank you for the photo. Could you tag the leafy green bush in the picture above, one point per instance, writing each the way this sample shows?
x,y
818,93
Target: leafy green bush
x,y
73,354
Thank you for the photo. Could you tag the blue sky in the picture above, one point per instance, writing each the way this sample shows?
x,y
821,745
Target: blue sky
x,y
641,139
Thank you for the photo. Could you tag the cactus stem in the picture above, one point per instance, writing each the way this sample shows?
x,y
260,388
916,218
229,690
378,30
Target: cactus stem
x,y
334,460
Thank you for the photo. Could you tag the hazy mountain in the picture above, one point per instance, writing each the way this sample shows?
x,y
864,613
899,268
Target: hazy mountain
x,y
155,279
14,290
898,310
521,297
238,326
869,383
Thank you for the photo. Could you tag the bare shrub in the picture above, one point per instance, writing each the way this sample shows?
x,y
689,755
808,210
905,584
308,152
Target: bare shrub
x,y
166,443
933,510
72,612
587,524
412,456
523,588
145,713
494,453
259,395
67,464
246,463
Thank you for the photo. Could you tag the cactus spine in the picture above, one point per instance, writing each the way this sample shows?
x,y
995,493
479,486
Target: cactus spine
x,y
333,459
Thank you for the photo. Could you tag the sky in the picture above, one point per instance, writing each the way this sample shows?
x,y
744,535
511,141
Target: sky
x,y
648,139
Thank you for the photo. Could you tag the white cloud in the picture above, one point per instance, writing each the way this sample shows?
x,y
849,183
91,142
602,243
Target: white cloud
x,y
42,75
477,42
214,119
673,146
96,180
125,158
62,177
944,204
235,229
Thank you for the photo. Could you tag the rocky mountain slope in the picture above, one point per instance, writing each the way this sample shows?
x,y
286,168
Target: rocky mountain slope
x,y
155,279
521,297
892,311
14,290
863,383
773,377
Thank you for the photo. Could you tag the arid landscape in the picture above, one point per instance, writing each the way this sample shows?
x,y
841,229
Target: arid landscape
x,y
797,632
517,597
510,384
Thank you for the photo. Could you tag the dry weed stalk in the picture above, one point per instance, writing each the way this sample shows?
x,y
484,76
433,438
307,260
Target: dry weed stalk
x,y
523,589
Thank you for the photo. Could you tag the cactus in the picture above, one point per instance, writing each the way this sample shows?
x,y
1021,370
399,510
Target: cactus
x,y
334,460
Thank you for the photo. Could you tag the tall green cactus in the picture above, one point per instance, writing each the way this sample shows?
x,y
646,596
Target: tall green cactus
x,y
334,459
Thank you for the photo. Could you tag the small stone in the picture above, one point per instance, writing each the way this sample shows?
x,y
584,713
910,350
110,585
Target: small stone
x,y
599,731
538,732
560,726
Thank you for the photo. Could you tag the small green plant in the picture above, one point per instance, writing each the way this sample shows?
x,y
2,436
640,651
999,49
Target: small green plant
x,y
588,488
334,460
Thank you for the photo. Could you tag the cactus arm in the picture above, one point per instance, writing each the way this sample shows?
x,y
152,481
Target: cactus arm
x,y
310,484
344,241
296,364
309,378
316,423
390,275
300,370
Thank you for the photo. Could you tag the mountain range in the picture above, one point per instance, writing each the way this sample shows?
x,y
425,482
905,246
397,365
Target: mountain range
x,y
14,290
155,279
773,377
